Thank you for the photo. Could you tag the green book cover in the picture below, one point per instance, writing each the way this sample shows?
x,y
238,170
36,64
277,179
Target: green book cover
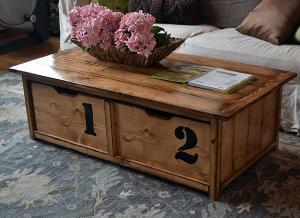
x,y
181,73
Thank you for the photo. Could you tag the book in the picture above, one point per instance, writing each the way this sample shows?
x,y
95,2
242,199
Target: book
x,y
222,80
216,79
181,73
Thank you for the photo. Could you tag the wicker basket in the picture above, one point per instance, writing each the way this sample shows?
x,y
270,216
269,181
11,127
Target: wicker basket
x,y
131,58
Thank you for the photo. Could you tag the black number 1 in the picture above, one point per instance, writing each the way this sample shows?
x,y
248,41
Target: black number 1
x,y
89,120
191,142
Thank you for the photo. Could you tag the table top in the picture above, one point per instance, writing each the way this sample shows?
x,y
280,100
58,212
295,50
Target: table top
x,y
80,70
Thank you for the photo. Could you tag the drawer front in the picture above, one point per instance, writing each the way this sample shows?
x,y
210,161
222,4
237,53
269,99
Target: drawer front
x,y
70,116
162,141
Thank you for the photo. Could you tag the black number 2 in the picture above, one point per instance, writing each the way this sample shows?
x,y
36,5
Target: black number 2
x,y
191,142
89,120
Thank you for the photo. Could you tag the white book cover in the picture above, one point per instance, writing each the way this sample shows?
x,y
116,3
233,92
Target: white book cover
x,y
221,80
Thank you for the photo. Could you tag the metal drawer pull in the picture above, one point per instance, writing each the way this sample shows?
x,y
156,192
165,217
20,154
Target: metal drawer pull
x,y
159,114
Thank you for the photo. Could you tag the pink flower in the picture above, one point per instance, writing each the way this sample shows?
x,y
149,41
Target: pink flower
x,y
142,44
94,24
97,25
137,22
135,33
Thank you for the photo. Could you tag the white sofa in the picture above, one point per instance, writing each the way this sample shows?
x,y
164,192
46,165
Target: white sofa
x,y
229,44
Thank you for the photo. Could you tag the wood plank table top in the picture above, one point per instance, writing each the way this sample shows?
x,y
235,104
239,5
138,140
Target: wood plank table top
x,y
79,70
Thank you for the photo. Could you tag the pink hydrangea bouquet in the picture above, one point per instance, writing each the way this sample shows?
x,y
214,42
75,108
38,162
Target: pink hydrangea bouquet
x,y
94,24
135,33
111,35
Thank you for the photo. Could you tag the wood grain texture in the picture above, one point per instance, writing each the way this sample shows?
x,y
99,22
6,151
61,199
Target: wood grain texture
x,y
143,123
29,53
85,71
8,35
241,130
227,148
249,134
270,118
109,128
64,116
247,165
152,141
215,160
131,164
278,100
29,106
255,129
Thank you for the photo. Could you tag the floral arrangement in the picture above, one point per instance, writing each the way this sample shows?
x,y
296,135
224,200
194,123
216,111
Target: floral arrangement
x,y
94,24
135,33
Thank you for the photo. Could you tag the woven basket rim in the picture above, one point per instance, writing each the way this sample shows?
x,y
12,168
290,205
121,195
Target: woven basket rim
x,y
132,58
75,41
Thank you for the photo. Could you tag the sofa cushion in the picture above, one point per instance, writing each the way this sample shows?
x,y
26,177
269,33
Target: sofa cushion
x,y
186,31
229,44
272,20
169,11
225,13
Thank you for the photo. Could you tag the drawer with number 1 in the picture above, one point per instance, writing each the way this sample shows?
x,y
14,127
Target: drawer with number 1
x,y
69,115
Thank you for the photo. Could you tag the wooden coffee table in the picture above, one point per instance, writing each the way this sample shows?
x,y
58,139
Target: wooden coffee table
x,y
192,136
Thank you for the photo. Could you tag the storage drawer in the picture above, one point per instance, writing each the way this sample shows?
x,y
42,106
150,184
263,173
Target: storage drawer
x,y
70,116
162,141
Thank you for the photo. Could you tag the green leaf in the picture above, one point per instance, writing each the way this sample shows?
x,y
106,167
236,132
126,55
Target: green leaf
x,y
161,36
85,49
157,29
162,39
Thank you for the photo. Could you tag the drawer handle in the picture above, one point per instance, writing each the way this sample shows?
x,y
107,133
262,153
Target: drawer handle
x,y
67,92
159,114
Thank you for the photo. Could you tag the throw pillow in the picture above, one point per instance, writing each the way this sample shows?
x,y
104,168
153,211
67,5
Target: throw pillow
x,y
115,5
297,35
169,11
226,13
272,20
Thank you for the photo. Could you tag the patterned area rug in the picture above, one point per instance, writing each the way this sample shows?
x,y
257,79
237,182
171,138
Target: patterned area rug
x,y
43,180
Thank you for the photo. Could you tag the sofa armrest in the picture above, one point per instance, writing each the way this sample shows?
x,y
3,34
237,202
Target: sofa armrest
x,y
65,6
186,31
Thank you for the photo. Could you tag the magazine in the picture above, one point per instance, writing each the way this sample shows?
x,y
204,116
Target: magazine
x,y
222,80
216,79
